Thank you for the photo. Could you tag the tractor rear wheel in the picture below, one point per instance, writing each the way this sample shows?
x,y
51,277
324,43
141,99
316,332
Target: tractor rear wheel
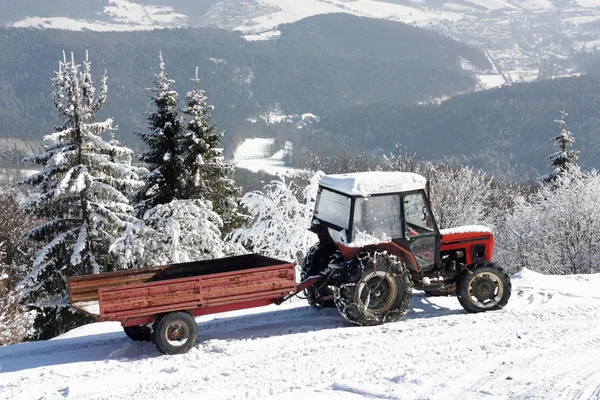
x,y
174,333
138,333
381,294
483,288
316,259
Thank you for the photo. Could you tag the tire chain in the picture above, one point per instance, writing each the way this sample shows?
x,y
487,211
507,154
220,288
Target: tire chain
x,y
362,259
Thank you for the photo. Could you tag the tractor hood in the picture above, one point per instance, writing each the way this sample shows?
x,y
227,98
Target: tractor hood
x,y
477,241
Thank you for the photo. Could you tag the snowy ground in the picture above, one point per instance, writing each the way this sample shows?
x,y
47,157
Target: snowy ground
x,y
490,81
254,155
544,344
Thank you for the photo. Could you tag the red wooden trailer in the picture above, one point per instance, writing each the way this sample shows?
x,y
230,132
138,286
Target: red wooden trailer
x,y
159,303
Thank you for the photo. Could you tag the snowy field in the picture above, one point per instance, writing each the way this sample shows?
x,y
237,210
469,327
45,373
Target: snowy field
x,y
544,344
289,11
490,81
253,154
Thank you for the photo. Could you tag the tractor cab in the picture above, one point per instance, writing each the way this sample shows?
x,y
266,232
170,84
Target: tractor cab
x,y
369,208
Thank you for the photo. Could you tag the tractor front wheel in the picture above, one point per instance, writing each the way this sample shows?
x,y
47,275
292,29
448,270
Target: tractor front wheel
x,y
174,333
381,294
483,288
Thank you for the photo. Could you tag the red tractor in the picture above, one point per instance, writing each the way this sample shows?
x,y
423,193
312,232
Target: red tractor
x,y
378,240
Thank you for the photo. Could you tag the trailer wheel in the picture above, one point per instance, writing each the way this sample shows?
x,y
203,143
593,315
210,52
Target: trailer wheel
x,y
138,333
381,294
483,288
174,333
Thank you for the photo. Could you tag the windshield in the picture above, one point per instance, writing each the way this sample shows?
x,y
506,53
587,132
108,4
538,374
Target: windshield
x,y
333,208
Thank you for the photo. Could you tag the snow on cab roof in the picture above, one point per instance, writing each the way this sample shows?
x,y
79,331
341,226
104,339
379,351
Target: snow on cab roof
x,y
367,183
466,229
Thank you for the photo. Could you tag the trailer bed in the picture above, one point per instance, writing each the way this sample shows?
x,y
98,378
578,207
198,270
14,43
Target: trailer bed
x,y
135,297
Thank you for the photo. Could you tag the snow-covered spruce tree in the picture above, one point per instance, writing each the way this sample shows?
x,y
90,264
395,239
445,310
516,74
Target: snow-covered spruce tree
x,y
189,230
281,215
179,221
206,174
178,231
563,159
81,201
165,179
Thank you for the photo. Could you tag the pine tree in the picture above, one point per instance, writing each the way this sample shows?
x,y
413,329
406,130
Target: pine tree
x,y
186,177
164,181
206,174
82,196
564,159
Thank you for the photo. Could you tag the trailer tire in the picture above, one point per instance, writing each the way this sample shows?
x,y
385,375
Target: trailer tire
x,y
138,333
174,333
381,294
483,287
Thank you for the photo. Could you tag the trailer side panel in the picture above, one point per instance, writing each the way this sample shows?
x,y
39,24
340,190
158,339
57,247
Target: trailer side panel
x,y
230,290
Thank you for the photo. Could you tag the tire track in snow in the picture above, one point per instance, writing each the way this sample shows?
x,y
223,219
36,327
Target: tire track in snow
x,y
543,357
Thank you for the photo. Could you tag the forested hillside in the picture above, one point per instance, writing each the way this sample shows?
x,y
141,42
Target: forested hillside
x,y
13,150
374,60
361,76
506,131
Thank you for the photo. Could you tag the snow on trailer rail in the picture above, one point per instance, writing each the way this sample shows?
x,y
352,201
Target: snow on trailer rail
x,y
168,297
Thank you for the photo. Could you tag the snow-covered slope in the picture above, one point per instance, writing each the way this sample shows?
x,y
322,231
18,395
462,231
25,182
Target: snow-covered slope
x,y
544,344
118,15
246,16
253,154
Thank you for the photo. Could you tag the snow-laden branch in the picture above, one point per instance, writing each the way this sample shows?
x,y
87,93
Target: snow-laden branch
x,y
281,215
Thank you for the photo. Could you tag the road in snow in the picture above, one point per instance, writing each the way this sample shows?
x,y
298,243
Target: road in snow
x,y
544,344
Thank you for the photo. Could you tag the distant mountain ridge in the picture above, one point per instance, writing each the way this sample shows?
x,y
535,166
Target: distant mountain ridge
x,y
243,79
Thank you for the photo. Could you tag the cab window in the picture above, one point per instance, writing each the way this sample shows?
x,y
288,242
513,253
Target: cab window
x,y
417,217
333,208
378,216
